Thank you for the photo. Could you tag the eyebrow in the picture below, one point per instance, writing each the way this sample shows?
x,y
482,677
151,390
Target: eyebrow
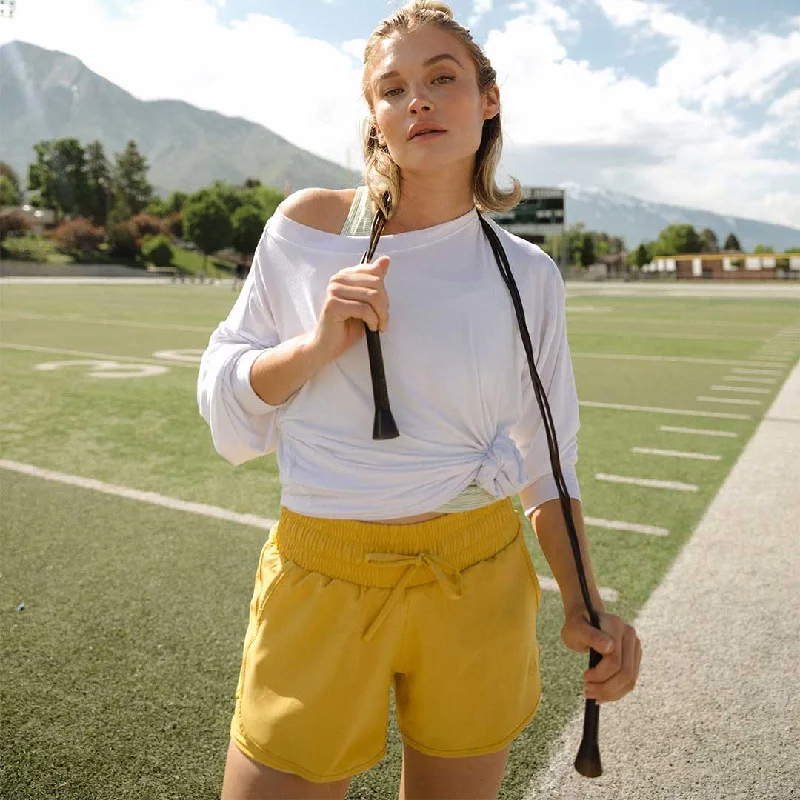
x,y
434,60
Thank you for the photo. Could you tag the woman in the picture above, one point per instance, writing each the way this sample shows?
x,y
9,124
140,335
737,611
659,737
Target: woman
x,y
402,562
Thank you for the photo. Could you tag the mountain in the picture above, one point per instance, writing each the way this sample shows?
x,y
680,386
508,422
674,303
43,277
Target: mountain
x,y
49,95
641,220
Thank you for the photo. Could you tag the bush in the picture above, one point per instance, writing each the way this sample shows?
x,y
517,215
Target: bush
x,y
123,240
148,225
157,250
13,222
175,224
78,237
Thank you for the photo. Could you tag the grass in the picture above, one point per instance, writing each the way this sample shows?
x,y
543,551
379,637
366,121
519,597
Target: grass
x,y
123,664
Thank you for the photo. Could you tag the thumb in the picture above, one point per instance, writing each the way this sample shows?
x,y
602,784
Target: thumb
x,y
383,264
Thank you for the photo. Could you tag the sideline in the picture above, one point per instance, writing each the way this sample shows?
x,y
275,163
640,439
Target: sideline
x,y
715,711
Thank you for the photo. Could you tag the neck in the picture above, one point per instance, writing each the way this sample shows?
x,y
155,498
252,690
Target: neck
x,y
428,200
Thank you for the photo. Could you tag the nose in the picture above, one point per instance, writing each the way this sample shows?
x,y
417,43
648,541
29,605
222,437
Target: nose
x,y
420,102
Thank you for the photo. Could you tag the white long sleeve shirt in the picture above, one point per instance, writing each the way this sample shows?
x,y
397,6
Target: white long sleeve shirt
x,y
458,379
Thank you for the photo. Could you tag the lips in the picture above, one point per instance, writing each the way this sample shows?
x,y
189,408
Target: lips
x,y
418,130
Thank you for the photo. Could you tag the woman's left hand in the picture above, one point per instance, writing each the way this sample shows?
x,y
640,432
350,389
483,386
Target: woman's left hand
x,y
619,646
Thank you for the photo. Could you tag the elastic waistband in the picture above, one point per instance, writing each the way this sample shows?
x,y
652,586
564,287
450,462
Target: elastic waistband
x,y
374,554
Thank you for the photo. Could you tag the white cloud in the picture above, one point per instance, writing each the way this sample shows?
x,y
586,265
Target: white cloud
x,y
680,136
676,139
479,9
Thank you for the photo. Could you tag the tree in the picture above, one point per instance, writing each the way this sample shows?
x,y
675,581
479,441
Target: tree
x,y
792,250
642,255
99,188
732,243
132,192
248,225
206,223
10,193
587,251
708,241
59,175
156,208
763,248
677,240
175,202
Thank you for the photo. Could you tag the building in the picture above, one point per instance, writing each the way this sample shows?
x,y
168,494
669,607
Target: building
x,y
540,213
728,266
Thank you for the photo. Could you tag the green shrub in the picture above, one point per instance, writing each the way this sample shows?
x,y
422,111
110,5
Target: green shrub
x,y
157,250
123,240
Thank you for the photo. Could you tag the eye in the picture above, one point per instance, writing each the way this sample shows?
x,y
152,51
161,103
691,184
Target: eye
x,y
390,92
446,78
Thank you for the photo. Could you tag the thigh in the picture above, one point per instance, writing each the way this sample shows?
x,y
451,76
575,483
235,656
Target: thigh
x,y
246,779
470,677
427,777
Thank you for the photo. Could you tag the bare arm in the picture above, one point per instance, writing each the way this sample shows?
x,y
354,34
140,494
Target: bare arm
x,y
280,371
551,531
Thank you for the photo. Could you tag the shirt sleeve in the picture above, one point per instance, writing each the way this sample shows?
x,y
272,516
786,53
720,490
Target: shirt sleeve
x,y
242,425
554,366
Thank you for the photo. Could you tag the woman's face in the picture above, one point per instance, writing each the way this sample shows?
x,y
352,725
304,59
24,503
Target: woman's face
x,y
427,79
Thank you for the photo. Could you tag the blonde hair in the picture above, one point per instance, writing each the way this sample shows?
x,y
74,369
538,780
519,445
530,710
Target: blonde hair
x,y
381,173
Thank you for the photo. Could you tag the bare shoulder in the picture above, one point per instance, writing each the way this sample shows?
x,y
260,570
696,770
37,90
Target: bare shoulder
x,y
323,209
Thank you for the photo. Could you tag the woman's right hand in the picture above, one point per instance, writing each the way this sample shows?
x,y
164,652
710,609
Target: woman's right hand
x,y
355,296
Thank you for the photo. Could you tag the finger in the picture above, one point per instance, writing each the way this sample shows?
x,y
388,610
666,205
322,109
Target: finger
x,y
351,309
381,265
376,299
623,681
612,660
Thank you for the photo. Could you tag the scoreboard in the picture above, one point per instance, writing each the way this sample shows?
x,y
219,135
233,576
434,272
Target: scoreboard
x,y
539,214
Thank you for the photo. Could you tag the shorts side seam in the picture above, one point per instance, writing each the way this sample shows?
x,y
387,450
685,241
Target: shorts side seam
x,y
475,751
269,759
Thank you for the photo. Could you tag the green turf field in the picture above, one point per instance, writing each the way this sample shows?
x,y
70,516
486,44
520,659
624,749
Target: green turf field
x,y
120,670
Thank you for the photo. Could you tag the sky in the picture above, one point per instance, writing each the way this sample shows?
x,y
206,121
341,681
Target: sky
x,y
691,102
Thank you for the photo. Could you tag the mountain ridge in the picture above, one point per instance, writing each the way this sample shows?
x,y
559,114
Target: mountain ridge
x,y
47,94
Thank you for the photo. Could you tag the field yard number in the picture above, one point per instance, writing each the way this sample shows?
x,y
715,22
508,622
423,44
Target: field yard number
x,y
107,369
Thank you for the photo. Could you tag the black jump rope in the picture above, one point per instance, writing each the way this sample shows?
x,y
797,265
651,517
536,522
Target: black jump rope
x,y
587,761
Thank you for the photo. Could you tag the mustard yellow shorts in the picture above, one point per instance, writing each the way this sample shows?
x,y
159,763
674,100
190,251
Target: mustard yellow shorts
x,y
444,610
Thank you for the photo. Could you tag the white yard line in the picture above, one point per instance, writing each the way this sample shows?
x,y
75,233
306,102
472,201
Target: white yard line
x,y
742,389
550,585
632,527
745,379
83,354
675,454
672,359
13,317
729,401
648,483
136,494
658,410
698,432
742,371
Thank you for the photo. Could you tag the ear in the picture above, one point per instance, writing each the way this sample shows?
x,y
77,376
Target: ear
x,y
491,102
